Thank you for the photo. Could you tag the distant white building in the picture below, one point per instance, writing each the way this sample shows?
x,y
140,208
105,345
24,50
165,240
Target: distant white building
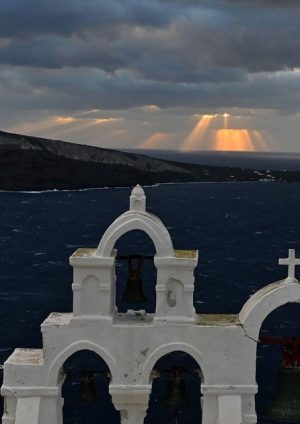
x,y
224,346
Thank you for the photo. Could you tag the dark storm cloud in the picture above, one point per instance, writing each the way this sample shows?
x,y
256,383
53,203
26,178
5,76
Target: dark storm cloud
x,y
75,53
67,17
151,37
88,89
283,4
117,54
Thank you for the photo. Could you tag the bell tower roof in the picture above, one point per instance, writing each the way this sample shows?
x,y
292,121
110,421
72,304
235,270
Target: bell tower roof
x,y
138,199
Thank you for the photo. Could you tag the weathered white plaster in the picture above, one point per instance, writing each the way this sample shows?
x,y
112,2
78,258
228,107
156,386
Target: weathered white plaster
x,y
230,409
266,300
224,346
28,410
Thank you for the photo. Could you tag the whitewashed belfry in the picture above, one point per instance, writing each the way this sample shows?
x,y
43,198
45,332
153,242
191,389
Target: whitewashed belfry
x,y
224,346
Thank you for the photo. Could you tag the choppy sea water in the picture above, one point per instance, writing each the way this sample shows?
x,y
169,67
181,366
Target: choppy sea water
x,y
252,160
240,230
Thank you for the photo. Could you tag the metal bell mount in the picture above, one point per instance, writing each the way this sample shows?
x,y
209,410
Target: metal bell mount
x,y
134,289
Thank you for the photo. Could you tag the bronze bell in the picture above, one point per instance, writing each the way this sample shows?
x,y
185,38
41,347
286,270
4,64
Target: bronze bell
x,y
176,396
134,288
87,390
286,405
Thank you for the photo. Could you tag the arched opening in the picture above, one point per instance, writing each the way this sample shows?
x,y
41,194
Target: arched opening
x,y
85,390
283,322
176,390
135,255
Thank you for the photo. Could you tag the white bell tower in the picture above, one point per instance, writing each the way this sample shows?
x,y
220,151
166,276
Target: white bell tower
x,y
224,346
94,284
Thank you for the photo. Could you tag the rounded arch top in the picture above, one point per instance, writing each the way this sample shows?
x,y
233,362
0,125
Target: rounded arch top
x,y
265,301
137,218
77,347
167,348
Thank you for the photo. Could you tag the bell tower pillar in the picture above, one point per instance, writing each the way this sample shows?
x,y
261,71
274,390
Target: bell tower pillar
x,y
131,401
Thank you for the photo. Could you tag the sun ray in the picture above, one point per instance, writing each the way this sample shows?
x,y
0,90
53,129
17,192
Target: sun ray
x,y
62,120
44,125
82,124
247,142
234,140
195,137
226,118
155,140
262,143
61,125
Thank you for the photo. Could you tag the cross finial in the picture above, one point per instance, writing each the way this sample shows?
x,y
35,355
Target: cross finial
x,y
291,262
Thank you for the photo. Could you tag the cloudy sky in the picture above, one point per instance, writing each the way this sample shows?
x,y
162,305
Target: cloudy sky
x,y
169,74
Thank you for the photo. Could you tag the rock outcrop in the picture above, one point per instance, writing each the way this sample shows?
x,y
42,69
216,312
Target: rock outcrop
x,y
31,163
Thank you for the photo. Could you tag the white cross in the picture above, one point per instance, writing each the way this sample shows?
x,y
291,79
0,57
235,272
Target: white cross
x,y
292,262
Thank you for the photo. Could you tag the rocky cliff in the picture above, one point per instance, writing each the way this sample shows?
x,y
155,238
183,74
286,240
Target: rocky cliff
x,y
31,163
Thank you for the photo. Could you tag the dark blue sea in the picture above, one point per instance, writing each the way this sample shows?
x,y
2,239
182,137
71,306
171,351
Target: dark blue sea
x,y
251,160
240,230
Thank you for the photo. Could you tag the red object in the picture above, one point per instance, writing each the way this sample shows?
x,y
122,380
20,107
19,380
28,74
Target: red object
x,y
291,349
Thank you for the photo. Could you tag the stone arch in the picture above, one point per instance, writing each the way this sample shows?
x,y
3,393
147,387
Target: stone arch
x,y
169,348
76,347
265,301
89,278
145,222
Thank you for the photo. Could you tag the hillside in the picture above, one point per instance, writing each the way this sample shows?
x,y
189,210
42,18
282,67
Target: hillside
x,y
31,163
